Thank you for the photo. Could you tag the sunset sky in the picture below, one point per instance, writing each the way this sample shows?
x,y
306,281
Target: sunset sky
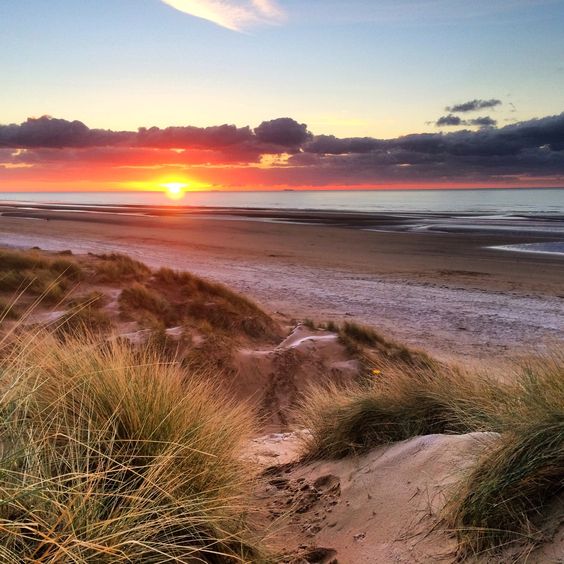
x,y
265,94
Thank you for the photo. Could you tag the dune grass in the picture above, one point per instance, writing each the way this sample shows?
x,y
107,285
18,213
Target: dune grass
x,y
111,455
396,405
356,338
504,500
38,274
86,319
147,306
115,268
177,297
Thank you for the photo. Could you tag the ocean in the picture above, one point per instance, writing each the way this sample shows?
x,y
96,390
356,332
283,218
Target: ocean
x,y
535,201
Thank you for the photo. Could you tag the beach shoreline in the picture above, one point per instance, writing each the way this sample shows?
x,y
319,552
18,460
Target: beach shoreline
x,y
454,295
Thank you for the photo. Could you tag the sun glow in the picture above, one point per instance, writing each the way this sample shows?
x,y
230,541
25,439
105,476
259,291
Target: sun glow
x,y
175,190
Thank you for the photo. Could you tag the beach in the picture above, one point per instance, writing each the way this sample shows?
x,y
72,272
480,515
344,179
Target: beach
x,y
417,279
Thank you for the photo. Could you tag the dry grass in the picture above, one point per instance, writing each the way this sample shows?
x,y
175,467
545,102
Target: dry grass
x,y
8,310
176,298
396,405
87,319
503,501
144,304
357,338
116,268
37,274
111,455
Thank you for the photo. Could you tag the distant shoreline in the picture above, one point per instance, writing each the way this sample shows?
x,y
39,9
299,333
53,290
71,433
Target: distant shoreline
x,y
547,226
506,201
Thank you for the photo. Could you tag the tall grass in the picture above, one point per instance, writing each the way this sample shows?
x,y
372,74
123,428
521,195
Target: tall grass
x,y
399,404
8,310
139,298
356,338
116,267
37,274
111,455
504,499
175,297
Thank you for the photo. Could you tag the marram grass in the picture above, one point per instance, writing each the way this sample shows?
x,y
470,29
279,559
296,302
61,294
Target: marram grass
x,y
111,455
506,498
397,405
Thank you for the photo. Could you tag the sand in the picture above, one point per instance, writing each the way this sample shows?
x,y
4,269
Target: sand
x,y
384,506
447,293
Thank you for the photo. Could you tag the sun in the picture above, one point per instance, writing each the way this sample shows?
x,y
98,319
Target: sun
x,y
175,190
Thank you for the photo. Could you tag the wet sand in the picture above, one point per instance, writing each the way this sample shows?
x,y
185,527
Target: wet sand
x,y
441,289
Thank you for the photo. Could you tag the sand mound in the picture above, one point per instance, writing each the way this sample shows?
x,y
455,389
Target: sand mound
x,y
273,378
380,507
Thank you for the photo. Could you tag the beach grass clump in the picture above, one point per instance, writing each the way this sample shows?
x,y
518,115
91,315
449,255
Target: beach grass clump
x,y
356,338
506,498
12,260
396,405
110,454
139,298
113,268
201,300
37,274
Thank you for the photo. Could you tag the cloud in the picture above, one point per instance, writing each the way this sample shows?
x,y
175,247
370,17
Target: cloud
x,y
449,120
285,132
485,121
453,121
226,154
237,15
473,105
281,135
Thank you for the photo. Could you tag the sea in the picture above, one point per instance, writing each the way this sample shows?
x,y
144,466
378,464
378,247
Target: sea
x,y
534,201
537,213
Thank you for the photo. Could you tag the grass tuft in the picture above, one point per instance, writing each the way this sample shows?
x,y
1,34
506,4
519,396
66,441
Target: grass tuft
x,y
397,405
37,274
115,268
112,455
504,500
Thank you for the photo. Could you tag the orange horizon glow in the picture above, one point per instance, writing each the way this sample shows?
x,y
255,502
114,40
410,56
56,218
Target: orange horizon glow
x,y
177,189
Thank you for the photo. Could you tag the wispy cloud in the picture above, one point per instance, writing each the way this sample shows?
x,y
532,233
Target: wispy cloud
x,y
237,15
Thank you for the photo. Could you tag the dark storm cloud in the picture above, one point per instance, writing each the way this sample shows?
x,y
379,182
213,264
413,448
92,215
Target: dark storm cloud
x,y
216,137
449,120
284,132
336,146
535,147
473,105
47,132
57,133
531,148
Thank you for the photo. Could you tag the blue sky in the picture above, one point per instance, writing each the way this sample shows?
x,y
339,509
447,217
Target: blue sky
x,y
305,93
350,68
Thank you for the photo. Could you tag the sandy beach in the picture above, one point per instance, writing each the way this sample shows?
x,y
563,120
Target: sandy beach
x,y
452,295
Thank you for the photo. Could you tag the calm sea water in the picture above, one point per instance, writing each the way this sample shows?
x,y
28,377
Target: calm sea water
x,y
506,201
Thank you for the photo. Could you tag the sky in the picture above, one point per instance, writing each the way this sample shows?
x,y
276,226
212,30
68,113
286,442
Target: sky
x,y
275,94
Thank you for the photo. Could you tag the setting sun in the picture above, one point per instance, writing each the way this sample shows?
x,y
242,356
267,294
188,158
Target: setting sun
x,y
175,190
